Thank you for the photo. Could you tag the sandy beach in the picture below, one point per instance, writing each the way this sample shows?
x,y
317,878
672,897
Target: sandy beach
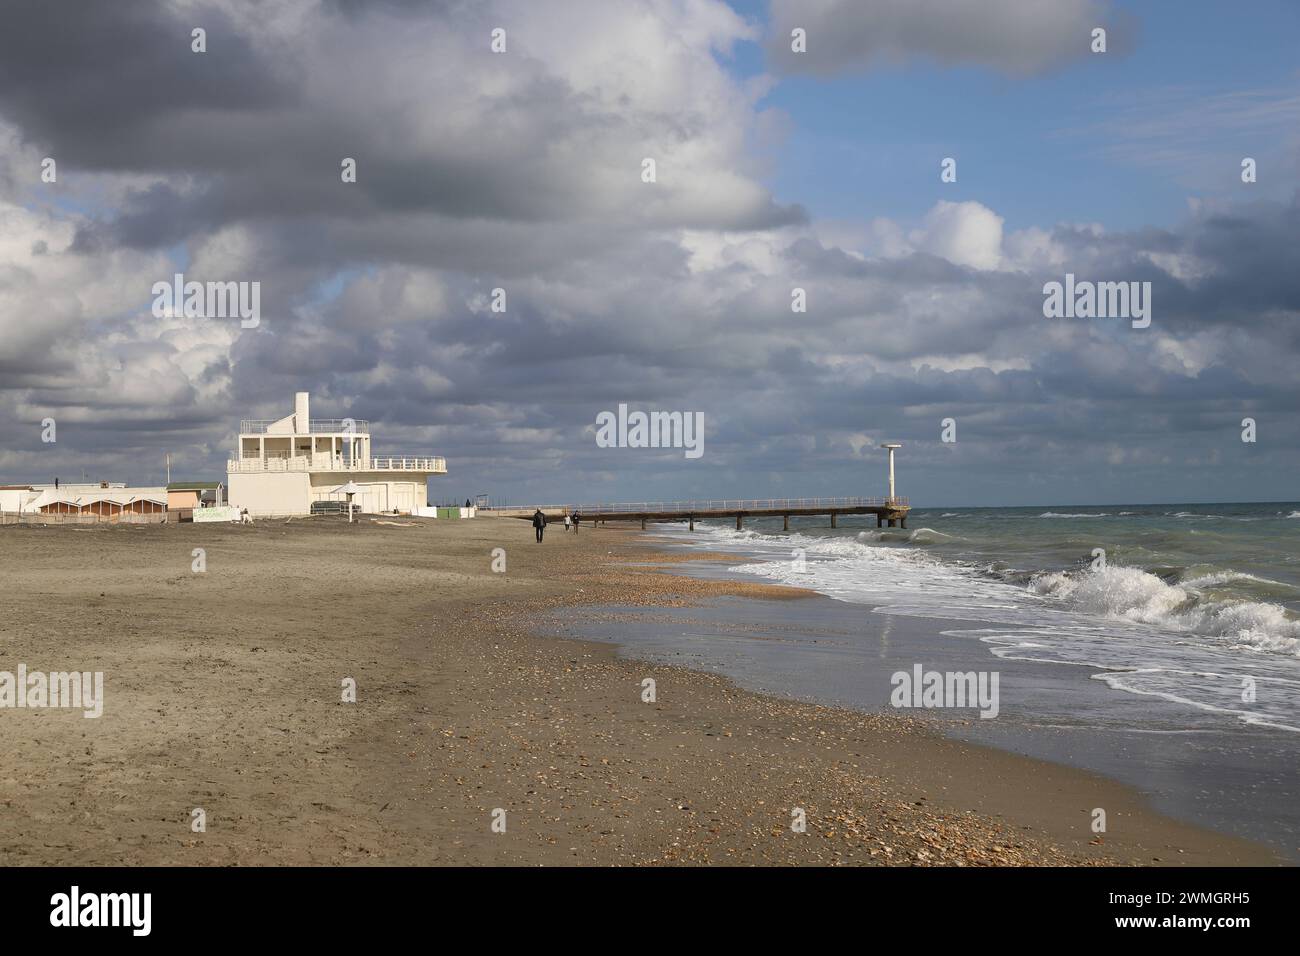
x,y
223,691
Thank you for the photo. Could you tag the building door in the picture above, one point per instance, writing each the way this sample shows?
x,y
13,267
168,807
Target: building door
x,y
374,498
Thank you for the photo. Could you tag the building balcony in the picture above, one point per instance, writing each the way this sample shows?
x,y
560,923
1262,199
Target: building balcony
x,y
321,463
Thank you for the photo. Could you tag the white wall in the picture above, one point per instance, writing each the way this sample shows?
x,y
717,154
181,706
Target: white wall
x,y
11,500
270,493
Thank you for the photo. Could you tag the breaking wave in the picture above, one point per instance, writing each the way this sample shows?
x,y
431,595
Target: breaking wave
x,y
1132,594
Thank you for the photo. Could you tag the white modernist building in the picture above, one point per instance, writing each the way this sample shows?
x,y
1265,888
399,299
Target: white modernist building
x,y
283,467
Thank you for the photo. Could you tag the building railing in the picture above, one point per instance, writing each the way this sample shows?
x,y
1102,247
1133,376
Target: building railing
x,y
252,466
405,463
317,426
720,504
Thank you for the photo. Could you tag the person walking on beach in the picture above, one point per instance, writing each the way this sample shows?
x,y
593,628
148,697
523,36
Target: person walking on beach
x,y
575,522
539,524
566,522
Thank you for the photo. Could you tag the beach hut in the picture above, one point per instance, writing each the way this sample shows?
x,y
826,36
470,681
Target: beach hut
x,y
145,505
103,506
55,502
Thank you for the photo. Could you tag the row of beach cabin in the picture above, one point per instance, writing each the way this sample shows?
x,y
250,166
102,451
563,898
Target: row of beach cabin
x,y
105,501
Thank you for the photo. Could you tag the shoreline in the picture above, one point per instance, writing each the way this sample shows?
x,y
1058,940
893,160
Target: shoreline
x,y
222,692
968,756
1234,777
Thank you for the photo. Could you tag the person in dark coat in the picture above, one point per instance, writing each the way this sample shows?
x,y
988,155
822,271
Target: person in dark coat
x,y
576,516
539,524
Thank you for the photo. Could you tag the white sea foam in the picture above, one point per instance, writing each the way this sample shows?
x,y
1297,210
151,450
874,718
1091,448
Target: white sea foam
x,y
1054,514
1150,637
1113,591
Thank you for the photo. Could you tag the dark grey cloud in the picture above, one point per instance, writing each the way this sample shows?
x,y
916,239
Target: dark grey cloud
x,y
98,83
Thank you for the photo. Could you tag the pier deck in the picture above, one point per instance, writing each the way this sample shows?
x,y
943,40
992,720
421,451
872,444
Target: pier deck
x,y
891,511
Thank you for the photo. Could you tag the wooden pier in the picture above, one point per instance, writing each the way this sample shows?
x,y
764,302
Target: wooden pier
x,y
891,511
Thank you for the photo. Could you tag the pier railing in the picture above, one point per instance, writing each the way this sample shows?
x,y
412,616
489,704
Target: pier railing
x,y
716,504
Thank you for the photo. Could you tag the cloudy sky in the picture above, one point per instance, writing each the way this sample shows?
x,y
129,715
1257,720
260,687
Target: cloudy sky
x,y
775,170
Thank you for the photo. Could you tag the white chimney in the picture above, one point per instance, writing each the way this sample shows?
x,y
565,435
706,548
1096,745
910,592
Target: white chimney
x,y
301,418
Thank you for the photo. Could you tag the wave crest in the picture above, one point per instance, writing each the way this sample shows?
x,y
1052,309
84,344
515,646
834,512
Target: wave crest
x,y
1136,595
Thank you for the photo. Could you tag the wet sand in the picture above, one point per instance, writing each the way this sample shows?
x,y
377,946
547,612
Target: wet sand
x,y
223,692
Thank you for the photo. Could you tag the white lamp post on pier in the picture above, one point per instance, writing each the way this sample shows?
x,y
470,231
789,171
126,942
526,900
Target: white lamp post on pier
x,y
889,447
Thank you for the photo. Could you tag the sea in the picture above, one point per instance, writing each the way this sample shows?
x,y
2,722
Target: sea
x,y
1196,604
1158,645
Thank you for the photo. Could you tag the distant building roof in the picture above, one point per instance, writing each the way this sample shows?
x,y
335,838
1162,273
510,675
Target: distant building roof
x,y
82,485
49,497
194,486
124,499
